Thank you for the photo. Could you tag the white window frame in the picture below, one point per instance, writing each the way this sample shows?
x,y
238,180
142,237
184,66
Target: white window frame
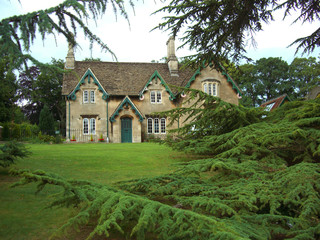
x,y
85,126
92,96
163,125
156,125
159,97
156,97
150,125
85,96
153,97
211,88
92,126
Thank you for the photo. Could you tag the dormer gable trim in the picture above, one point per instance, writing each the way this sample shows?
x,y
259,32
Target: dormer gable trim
x,y
90,76
125,103
157,75
223,71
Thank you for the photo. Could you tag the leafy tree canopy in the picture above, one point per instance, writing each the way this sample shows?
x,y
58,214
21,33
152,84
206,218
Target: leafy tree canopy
x,y
221,27
8,91
40,86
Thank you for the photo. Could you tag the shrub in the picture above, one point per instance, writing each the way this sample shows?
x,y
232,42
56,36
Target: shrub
x,y
16,131
11,151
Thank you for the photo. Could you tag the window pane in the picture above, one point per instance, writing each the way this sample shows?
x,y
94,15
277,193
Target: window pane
x,y
205,88
153,97
210,90
149,125
158,97
85,96
85,126
163,125
156,125
93,126
92,97
214,90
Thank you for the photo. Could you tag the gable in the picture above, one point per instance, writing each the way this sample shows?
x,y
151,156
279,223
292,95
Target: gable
x,y
126,103
89,76
275,103
234,85
121,79
154,77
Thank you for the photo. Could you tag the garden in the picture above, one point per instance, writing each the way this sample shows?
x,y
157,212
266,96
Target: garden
x,y
24,214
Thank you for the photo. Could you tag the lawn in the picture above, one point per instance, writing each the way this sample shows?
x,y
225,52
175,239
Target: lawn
x,y
23,214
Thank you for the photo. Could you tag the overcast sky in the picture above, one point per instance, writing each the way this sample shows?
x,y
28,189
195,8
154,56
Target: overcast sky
x,y
137,44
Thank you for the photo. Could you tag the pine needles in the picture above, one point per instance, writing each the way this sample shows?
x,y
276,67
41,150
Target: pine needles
x,y
261,180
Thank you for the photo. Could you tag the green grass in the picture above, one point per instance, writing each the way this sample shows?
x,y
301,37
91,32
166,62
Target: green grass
x,y
23,214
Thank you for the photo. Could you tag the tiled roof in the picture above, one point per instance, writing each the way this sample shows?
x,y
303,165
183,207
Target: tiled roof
x,y
123,78
275,103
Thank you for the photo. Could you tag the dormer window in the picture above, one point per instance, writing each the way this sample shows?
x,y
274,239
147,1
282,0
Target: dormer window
x,y
85,96
155,97
210,86
89,96
92,97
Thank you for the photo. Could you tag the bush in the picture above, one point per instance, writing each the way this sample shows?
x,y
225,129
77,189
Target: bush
x,y
16,133
11,151
5,131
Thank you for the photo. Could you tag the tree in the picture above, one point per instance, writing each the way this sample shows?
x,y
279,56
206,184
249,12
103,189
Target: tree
x,y
43,86
258,179
272,73
11,151
17,33
46,121
305,74
219,28
8,91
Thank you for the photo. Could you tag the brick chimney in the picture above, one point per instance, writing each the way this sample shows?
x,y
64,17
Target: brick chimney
x,y
70,57
171,57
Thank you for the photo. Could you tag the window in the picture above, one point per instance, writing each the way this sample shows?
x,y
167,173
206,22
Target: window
x,y
210,88
149,123
92,96
155,97
85,96
158,97
152,97
205,89
89,128
163,125
156,125
85,126
93,126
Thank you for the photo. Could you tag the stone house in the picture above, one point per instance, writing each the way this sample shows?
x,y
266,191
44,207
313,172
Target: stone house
x,y
115,100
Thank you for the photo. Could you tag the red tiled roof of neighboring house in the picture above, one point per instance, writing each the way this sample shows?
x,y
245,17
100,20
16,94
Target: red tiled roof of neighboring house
x,y
275,103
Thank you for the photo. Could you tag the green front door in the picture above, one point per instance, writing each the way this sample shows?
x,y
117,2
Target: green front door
x,y
126,130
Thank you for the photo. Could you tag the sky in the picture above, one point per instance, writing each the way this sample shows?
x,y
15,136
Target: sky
x,y
137,43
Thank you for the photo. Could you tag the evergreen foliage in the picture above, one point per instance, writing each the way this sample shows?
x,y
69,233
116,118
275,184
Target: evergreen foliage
x,y
11,151
222,28
46,122
17,33
259,179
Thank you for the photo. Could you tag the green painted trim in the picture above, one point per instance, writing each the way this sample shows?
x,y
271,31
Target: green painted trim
x,y
126,102
107,120
198,72
224,72
230,80
90,75
69,119
154,75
